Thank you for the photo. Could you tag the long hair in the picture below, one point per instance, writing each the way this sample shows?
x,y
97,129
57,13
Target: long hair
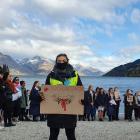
x,y
127,91
34,86
109,91
90,86
62,54
10,84
101,90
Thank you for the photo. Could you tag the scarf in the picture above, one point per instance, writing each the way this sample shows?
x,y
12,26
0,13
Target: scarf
x,y
62,75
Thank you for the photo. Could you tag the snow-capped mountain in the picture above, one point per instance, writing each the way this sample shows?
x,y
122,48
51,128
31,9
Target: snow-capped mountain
x,y
40,66
87,71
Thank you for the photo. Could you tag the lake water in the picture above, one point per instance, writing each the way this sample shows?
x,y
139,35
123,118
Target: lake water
x,y
123,83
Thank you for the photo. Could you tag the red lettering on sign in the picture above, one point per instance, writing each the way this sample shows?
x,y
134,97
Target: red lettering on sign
x,y
45,89
63,104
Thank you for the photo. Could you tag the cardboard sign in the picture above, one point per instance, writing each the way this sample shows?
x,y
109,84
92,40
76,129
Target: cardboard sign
x,y
62,100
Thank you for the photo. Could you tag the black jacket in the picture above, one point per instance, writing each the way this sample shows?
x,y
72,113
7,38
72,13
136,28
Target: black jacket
x,y
126,103
6,97
58,120
1,92
101,100
88,99
35,99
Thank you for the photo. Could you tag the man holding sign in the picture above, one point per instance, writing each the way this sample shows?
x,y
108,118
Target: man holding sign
x,y
63,75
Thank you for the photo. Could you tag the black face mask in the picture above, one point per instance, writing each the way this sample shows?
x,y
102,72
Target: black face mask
x,y
61,66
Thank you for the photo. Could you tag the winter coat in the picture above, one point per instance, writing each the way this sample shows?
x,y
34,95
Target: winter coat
x,y
101,100
1,92
137,101
88,99
128,103
58,120
23,99
7,97
110,107
35,102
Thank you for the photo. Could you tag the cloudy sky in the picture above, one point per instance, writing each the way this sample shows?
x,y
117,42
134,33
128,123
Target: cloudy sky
x,y
99,33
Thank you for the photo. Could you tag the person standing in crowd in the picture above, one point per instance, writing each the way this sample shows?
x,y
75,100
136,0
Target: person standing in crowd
x,y
23,102
97,92
111,104
1,94
64,74
16,100
35,99
9,89
89,100
1,86
100,103
125,109
28,103
137,105
129,104
117,100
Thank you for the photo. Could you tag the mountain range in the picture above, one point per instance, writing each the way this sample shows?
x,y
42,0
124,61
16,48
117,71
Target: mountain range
x,y
38,65
127,70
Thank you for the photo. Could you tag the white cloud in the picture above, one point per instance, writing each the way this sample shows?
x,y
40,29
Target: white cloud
x,y
77,54
102,11
130,52
133,36
135,16
47,28
7,11
43,48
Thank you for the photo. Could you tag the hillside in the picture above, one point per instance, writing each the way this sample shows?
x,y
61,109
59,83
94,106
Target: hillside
x,y
127,70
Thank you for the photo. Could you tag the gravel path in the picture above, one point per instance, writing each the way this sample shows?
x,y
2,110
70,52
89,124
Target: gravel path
x,y
121,130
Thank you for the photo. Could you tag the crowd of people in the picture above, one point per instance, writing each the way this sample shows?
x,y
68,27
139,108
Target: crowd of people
x,y
19,104
108,103
16,102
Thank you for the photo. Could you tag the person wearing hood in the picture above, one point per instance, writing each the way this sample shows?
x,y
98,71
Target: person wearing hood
x,y
63,73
